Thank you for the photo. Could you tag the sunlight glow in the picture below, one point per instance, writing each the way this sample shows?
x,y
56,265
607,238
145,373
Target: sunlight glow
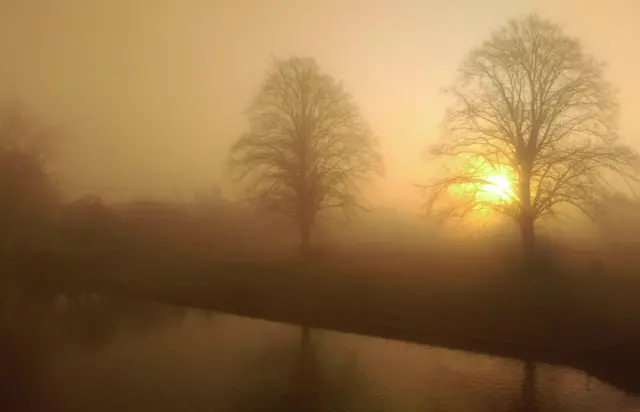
x,y
500,187
493,187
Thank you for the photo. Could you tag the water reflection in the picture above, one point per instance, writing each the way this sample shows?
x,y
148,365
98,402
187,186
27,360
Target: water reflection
x,y
200,363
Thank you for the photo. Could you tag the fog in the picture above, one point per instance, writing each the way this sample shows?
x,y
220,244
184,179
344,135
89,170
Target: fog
x,y
170,240
151,94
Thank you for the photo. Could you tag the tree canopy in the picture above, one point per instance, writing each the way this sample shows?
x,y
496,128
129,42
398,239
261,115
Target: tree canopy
x,y
28,195
308,147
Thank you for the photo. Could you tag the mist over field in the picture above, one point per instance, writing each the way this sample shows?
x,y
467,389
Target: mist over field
x,y
389,206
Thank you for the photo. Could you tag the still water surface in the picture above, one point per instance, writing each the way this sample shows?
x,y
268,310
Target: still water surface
x,y
198,365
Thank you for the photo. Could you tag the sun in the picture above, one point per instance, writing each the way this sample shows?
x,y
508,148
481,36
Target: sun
x,y
493,186
495,192
490,188
499,187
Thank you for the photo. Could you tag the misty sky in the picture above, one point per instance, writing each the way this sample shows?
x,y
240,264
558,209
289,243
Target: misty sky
x,y
150,93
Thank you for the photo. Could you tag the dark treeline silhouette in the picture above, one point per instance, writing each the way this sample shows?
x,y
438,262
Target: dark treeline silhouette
x,y
80,271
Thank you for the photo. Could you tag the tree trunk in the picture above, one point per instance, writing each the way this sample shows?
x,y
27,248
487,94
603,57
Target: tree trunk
x,y
304,384
305,238
528,236
527,216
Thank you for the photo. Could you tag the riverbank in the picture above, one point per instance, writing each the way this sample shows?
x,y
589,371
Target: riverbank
x,y
572,318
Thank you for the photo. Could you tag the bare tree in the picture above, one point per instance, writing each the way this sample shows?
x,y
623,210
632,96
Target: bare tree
x,y
28,194
21,132
532,106
308,147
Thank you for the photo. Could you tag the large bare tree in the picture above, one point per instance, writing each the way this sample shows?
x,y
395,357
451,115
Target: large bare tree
x,y
308,148
533,106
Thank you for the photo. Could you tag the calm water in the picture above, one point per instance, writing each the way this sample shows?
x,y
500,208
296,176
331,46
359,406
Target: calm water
x,y
200,364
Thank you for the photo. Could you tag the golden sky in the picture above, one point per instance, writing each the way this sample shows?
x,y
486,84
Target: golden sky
x,y
151,92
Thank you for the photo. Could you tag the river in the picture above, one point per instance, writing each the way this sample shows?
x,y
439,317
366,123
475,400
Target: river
x,y
208,363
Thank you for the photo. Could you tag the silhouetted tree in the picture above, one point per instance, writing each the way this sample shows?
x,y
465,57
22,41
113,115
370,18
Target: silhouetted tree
x,y
533,105
21,132
28,195
308,147
28,200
